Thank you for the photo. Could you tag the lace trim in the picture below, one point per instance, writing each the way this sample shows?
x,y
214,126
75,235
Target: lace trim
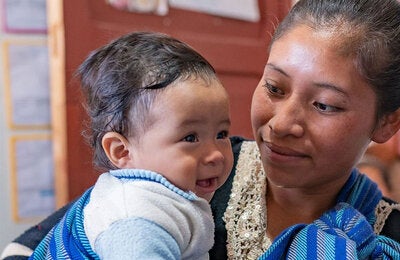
x,y
245,216
382,212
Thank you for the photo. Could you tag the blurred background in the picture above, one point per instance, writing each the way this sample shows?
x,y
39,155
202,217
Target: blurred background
x,y
44,161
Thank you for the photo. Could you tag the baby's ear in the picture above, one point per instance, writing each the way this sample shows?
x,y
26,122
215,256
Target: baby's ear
x,y
116,148
388,126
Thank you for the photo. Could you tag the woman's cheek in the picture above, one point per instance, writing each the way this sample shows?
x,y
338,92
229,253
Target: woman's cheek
x,y
261,111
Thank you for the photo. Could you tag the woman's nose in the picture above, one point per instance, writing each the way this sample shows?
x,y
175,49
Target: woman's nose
x,y
288,119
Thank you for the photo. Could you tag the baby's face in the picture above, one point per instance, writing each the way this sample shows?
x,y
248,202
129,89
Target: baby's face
x,y
188,142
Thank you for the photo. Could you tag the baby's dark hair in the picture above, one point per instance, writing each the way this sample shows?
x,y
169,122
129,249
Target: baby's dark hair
x,y
368,30
120,80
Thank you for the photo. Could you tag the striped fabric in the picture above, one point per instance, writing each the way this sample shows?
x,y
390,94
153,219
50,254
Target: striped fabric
x,y
344,232
67,240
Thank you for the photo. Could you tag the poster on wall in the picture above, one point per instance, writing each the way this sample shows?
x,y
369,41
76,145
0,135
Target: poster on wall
x,y
27,88
157,7
32,177
24,16
246,10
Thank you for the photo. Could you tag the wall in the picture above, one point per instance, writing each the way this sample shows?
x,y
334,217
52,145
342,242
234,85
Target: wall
x,y
10,227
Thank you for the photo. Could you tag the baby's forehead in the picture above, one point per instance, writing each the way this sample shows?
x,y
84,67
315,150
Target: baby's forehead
x,y
191,86
194,96
201,79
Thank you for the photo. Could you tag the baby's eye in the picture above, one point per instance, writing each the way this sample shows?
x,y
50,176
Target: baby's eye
x,y
191,138
222,135
273,89
325,108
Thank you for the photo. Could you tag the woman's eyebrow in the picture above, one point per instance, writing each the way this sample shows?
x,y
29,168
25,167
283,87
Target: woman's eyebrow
x,y
276,68
330,86
324,85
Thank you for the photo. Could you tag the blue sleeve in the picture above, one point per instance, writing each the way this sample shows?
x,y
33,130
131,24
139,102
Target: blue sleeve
x,y
136,238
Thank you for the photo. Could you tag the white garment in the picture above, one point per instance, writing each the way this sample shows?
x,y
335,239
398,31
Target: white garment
x,y
189,222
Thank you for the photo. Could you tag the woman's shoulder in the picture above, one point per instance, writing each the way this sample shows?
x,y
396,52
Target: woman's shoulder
x,y
388,219
237,142
244,150
221,196
239,145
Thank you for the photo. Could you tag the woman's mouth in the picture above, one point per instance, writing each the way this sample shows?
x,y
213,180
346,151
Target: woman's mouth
x,y
283,154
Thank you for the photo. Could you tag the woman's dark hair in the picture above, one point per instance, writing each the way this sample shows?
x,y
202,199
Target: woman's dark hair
x,y
369,31
120,80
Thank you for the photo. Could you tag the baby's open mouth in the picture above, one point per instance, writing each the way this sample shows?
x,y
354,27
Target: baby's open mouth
x,y
207,185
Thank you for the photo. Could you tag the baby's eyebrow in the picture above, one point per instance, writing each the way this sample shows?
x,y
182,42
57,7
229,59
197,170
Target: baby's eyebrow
x,y
226,121
190,122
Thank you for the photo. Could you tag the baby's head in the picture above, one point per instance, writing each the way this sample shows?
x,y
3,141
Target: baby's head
x,y
155,103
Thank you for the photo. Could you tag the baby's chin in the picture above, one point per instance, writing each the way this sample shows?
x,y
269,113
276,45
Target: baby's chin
x,y
207,196
206,188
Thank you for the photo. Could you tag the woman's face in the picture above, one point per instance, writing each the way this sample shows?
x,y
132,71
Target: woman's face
x,y
312,113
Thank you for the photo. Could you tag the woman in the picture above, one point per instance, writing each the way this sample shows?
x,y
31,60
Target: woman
x,y
330,86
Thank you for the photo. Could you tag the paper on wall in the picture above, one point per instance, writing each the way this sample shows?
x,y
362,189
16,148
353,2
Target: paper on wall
x,y
157,7
246,10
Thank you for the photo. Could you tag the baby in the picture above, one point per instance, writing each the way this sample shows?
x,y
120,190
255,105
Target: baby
x,y
160,128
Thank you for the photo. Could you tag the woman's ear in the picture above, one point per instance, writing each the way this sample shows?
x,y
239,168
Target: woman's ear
x,y
116,148
388,125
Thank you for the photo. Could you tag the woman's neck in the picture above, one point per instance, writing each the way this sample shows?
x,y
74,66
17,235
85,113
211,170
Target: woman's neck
x,y
287,207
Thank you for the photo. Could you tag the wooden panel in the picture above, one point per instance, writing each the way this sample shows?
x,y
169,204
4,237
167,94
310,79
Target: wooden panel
x,y
58,97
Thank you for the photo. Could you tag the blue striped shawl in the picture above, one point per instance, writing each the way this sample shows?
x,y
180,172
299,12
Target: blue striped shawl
x,y
67,240
344,232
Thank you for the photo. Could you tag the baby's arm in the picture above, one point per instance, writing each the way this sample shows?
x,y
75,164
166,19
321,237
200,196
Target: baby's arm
x,y
136,238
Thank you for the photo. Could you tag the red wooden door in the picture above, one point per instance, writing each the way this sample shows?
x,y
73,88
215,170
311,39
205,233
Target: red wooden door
x,y
237,50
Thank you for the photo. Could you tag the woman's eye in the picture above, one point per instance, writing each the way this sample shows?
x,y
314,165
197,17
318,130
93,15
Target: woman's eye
x,y
273,89
222,135
191,138
325,108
